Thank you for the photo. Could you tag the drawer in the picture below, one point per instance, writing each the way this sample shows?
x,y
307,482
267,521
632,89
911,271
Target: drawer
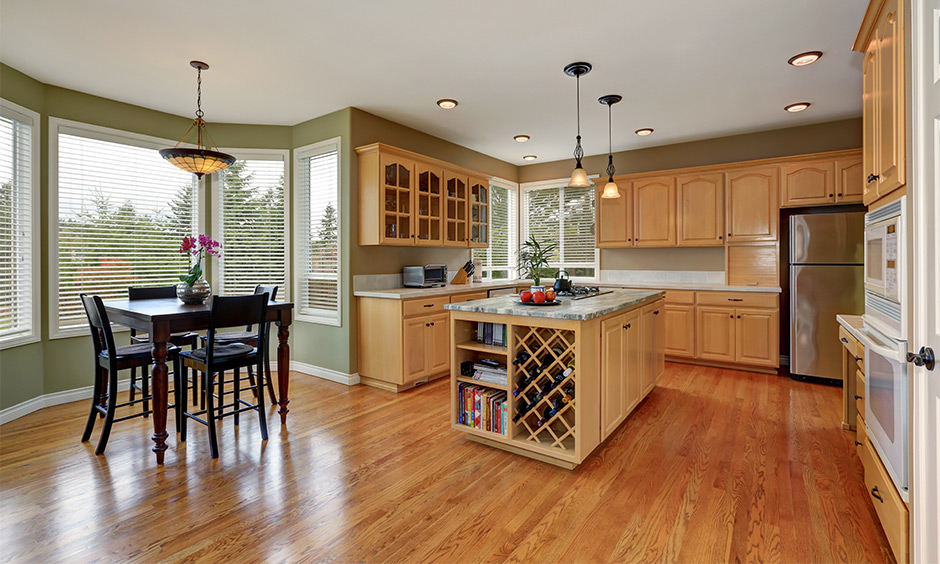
x,y
680,297
848,341
860,355
424,306
468,296
860,393
736,300
861,436
891,510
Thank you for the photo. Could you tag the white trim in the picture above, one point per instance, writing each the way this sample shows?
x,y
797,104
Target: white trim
x,y
259,155
513,188
56,398
69,127
313,149
324,373
25,115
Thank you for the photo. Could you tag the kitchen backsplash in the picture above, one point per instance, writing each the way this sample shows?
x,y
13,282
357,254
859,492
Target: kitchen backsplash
x,y
663,276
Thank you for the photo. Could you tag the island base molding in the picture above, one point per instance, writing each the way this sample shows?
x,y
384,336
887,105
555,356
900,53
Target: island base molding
x,y
727,365
392,387
522,452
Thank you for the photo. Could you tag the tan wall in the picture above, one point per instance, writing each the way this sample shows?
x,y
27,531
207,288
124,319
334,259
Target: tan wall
x,y
706,258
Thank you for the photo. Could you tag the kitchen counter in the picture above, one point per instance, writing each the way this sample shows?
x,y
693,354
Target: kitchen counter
x,y
853,324
699,287
450,289
574,310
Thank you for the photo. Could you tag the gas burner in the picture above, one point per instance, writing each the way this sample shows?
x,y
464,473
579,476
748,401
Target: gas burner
x,y
580,291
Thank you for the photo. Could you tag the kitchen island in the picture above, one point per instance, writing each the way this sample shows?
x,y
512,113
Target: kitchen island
x,y
565,376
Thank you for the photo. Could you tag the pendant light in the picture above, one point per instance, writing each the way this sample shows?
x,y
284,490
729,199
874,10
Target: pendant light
x,y
611,190
203,159
579,177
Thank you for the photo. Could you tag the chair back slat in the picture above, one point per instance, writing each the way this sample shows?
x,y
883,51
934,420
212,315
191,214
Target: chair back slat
x,y
150,293
99,324
229,311
271,291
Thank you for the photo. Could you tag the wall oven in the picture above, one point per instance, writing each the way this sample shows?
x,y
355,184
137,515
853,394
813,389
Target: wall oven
x,y
885,269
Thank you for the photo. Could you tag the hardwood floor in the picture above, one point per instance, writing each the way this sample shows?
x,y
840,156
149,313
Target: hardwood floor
x,y
715,466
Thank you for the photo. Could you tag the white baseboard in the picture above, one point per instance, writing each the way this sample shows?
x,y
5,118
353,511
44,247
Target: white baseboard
x,y
55,398
325,373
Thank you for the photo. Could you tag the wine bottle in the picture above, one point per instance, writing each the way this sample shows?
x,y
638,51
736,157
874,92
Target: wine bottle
x,y
551,410
521,358
568,392
531,376
523,410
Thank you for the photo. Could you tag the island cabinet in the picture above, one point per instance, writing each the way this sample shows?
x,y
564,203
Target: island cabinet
x,y
573,372
408,199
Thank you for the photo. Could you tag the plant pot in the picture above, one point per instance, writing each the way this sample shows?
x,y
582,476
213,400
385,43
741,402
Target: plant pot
x,y
197,293
535,289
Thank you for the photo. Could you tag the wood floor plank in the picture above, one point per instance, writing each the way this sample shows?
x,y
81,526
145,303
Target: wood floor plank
x,y
715,465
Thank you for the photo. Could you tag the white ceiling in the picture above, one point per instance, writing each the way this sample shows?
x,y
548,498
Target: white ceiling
x,y
691,69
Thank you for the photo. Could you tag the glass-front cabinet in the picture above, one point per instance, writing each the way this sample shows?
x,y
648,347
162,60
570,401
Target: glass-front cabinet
x,y
428,202
456,233
479,212
398,182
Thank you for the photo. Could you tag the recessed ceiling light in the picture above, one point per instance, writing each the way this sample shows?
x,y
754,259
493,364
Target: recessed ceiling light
x,y
798,107
644,132
806,58
521,138
529,158
447,103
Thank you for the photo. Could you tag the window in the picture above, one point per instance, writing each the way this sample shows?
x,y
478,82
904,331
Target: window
x,y
19,226
118,213
499,259
250,223
317,233
564,217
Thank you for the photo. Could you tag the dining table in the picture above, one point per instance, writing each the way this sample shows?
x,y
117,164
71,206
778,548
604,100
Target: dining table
x,y
161,317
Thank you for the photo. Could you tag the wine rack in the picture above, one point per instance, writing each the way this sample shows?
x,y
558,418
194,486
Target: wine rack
x,y
551,353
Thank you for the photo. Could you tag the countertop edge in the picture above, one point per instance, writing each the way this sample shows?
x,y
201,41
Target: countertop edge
x,y
551,313
419,293
852,324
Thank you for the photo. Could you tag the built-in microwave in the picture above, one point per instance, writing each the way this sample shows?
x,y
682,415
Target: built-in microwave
x,y
885,269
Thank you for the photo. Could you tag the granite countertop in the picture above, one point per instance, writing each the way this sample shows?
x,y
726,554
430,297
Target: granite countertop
x,y
408,293
576,310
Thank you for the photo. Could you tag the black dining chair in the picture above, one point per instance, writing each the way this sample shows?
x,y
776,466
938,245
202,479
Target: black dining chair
x,y
185,338
217,358
248,337
109,360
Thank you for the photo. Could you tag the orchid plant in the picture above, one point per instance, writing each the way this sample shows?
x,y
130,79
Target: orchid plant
x,y
200,247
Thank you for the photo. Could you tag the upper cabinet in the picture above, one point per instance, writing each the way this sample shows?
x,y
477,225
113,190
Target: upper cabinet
x,y
822,182
615,217
700,209
654,212
881,39
751,209
409,199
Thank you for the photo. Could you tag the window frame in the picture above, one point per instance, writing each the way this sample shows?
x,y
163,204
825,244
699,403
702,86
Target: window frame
x,y
515,189
284,293
560,183
69,127
22,114
314,149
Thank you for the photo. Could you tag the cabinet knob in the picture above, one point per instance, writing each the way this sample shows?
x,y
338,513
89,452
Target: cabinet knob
x,y
843,340
839,194
627,326
858,358
629,238
729,234
432,324
719,237
739,317
876,494
427,324
656,312
731,316
830,195
858,397
873,177
858,443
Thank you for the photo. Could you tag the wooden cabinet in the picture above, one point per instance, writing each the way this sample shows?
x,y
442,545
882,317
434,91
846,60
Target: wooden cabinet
x,y
756,337
438,343
715,330
679,330
891,509
850,182
426,346
615,217
701,209
409,199
752,264
881,38
751,209
808,183
654,212
653,334
621,368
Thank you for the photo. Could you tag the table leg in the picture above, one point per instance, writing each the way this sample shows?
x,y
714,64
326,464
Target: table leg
x,y
158,376
283,371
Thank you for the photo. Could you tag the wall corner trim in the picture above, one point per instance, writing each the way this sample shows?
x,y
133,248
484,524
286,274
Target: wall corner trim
x,y
325,373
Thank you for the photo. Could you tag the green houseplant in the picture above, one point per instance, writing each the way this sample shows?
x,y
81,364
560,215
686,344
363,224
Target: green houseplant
x,y
533,257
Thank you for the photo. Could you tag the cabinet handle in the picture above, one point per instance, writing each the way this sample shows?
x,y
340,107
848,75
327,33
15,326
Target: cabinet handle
x,y
858,443
830,195
729,234
719,237
875,494
627,326
843,340
858,358
873,177
839,194
739,317
432,324
858,397
629,238
735,299
656,312
428,305
731,316
427,324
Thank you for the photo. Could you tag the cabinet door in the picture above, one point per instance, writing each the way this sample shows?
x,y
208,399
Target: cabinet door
x,y
652,350
870,122
715,330
850,182
752,205
398,195
679,330
808,183
456,204
615,217
613,394
415,339
438,343
756,337
632,359
479,212
429,201
701,211
654,212
889,101
659,340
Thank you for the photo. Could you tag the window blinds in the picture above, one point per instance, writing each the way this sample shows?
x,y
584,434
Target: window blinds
x,y
250,227
318,284
122,212
564,217
499,259
16,231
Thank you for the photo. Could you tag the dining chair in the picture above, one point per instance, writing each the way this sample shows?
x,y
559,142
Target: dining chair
x,y
216,358
109,360
185,338
248,337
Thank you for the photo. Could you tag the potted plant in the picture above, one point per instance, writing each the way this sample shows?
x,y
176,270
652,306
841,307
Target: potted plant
x,y
533,256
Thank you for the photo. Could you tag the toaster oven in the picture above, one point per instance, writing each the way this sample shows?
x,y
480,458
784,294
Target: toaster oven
x,y
427,276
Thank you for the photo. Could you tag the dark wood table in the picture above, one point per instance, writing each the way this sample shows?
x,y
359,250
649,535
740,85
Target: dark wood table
x,y
159,318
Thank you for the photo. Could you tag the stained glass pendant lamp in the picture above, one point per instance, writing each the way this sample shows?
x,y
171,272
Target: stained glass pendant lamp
x,y
579,178
611,190
204,159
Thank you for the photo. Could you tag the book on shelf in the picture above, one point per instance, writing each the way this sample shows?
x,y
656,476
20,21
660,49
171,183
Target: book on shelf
x,y
482,408
490,334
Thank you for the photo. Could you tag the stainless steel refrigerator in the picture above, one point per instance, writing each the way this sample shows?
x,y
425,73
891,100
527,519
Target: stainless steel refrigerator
x,y
826,278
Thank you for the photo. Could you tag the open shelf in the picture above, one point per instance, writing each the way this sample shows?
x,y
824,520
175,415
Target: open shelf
x,y
468,380
484,348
